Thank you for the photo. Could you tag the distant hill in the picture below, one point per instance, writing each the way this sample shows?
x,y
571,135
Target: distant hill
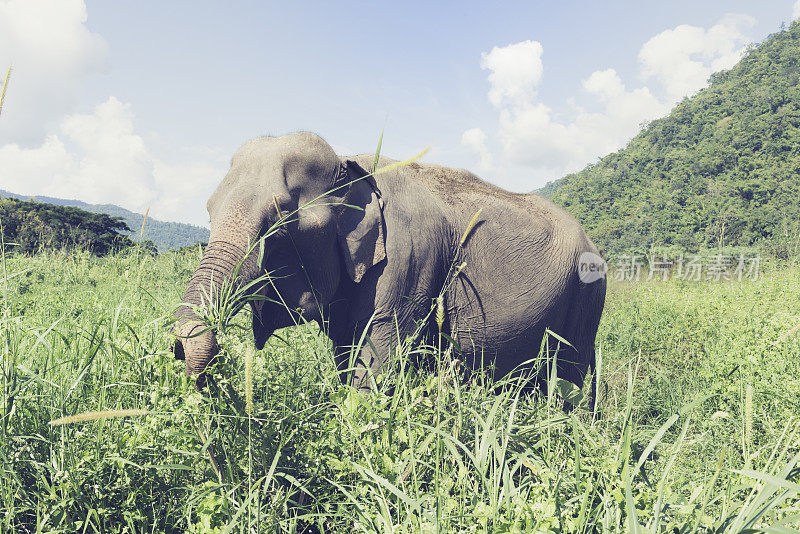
x,y
722,168
165,235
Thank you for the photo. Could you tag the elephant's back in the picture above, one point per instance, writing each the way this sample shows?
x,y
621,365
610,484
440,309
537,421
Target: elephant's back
x,y
459,187
462,193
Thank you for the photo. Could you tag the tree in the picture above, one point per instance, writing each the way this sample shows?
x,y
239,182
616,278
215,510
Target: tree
x,y
33,226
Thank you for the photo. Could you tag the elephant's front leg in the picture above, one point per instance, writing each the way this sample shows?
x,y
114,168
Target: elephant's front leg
x,y
361,361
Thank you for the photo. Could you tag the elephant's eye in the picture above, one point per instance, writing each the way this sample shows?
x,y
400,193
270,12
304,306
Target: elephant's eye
x,y
273,231
281,206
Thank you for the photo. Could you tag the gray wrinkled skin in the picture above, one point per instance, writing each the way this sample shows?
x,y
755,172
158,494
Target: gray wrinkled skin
x,y
381,247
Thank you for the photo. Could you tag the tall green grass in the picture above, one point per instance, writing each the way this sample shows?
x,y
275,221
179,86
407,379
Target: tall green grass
x,y
681,445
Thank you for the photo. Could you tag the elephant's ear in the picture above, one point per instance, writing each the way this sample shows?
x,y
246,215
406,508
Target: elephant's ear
x,y
359,220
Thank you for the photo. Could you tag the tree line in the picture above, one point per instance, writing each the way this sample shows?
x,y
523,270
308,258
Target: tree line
x,y
30,227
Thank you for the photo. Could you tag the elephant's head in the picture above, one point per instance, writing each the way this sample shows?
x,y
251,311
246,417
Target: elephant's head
x,y
332,228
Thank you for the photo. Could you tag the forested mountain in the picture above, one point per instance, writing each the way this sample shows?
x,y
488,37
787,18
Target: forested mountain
x,y
29,227
722,168
165,235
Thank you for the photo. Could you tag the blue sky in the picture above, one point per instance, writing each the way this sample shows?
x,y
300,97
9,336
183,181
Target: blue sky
x,y
143,103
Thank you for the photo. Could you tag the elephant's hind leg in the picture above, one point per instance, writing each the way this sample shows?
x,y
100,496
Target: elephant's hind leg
x,y
581,331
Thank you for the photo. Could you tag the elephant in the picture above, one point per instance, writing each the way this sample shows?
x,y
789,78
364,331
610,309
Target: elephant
x,y
367,254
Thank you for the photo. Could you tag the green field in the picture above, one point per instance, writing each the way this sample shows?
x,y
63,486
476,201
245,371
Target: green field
x,y
700,396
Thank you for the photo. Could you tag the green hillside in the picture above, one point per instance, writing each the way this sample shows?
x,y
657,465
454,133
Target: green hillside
x,y
723,168
165,235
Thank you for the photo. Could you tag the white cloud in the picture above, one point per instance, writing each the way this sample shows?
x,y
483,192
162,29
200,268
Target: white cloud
x,y
52,53
99,158
21,168
530,136
682,59
796,10
115,163
516,71
534,143
475,140
96,158
623,110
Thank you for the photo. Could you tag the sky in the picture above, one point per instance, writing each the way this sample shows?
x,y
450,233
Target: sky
x,y
142,104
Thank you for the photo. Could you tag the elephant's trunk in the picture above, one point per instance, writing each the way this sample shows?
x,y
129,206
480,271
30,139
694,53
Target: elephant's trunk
x,y
217,273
